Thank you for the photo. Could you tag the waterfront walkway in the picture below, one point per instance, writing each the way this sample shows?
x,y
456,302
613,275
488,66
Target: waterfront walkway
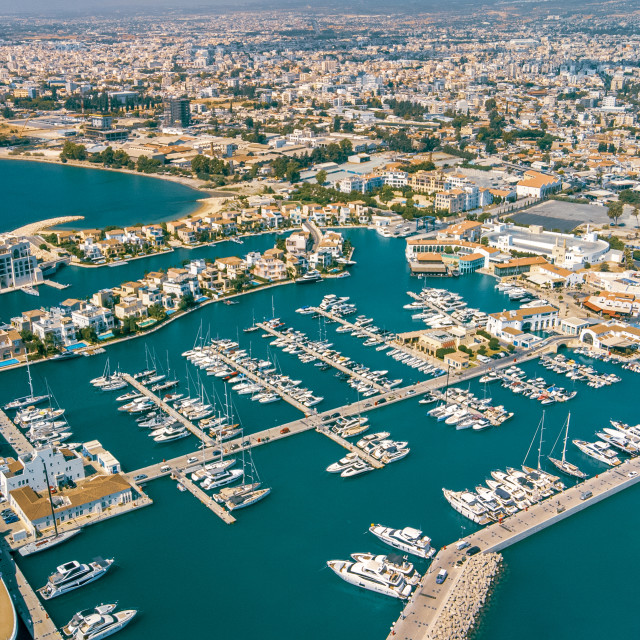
x,y
13,435
319,356
8,616
206,500
258,380
26,602
421,617
161,404
34,227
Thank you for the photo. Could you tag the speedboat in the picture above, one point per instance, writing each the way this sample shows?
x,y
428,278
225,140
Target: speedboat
x,y
72,575
408,539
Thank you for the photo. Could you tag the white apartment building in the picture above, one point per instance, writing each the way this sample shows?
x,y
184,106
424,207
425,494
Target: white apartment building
x,y
55,324
17,266
93,317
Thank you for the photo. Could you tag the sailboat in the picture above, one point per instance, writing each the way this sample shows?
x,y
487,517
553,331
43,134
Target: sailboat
x,y
563,465
50,541
253,327
26,401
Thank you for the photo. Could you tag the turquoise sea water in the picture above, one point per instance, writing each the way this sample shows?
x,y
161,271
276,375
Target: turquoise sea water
x,y
34,191
265,576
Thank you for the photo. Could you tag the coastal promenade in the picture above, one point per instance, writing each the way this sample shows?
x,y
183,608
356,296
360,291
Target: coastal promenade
x,y
168,409
319,356
421,618
26,601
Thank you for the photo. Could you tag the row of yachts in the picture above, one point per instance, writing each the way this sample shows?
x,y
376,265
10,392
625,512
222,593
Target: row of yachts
x,y
514,379
505,493
218,474
619,438
464,410
440,308
388,574
91,624
377,445
272,386
43,426
319,352
575,371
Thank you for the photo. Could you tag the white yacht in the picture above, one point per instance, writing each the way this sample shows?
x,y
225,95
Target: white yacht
x,y
408,539
394,561
467,504
356,469
372,575
598,451
72,575
212,481
169,434
72,626
343,463
101,625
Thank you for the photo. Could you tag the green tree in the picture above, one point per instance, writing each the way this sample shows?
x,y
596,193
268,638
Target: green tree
x,y
321,177
615,211
604,267
186,302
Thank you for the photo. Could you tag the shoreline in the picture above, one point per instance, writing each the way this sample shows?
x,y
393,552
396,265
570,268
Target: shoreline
x,y
164,323
192,183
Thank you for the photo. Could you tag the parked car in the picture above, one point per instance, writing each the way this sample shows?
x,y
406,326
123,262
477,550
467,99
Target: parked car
x,y
191,460
471,551
140,476
442,576
285,430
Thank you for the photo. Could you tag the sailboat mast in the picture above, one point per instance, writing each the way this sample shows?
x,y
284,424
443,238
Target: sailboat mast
x,y
566,434
53,515
540,445
29,376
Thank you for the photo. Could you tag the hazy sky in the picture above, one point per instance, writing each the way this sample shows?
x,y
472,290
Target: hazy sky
x,y
61,7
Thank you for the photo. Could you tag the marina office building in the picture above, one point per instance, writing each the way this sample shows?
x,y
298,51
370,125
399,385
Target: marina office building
x,y
562,249
17,266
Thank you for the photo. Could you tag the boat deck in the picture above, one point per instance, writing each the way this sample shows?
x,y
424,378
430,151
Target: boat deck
x,y
420,618
168,409
315,354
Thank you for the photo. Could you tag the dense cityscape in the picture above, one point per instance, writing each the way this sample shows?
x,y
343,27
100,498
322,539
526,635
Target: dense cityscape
x,y
461,187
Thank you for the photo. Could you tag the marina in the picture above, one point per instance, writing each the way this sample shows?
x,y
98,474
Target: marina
x,y
295,467
206,500
419,620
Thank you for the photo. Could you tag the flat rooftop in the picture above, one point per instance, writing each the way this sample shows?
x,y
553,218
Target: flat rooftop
x,y
562,216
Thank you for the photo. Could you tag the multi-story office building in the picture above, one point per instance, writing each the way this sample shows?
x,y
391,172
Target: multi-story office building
x,y
176,112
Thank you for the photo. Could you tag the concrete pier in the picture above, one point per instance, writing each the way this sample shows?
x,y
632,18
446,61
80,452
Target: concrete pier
x,y
13,435
421,620
376,464
206,500
26,602
319,356
258,380
161,404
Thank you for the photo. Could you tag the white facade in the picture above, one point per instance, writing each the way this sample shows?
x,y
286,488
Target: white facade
x,y
17,266
61,466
